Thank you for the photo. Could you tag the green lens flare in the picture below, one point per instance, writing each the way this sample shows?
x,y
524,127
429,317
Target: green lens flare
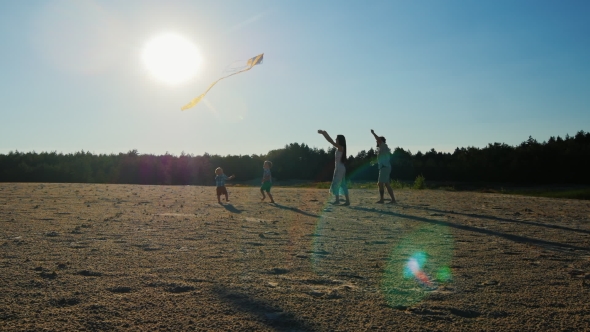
x,y
417,265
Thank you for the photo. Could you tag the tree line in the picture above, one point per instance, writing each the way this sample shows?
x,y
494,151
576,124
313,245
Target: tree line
x,y
557,160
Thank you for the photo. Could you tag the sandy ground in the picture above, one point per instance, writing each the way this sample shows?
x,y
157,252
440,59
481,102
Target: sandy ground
x,y
121,257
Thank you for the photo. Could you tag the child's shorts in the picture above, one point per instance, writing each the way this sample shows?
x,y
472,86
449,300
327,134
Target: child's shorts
x,y
266,186
221,191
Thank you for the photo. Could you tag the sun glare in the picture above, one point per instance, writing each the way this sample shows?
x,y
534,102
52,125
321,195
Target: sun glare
x,y
171,58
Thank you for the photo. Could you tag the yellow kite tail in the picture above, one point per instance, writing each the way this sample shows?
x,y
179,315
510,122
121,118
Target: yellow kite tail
x,y
251,63
195,101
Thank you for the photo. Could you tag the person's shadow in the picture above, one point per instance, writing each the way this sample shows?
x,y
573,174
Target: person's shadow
x,y
231,208
294,209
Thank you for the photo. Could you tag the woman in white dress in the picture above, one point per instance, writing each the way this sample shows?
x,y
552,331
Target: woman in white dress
x,y
339,179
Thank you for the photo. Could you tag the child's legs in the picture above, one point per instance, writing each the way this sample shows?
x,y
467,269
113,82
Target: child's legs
x,y
218,192
223,191
266,188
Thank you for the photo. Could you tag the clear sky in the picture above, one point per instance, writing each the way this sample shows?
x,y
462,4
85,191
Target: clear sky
x,y
424,74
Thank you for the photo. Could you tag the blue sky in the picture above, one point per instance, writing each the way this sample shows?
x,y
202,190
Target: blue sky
x,y
424,74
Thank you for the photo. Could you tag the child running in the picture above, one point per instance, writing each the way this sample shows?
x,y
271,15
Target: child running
x,y
220,179
266,181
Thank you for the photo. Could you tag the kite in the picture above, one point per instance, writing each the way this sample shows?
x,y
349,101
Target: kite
x,y
251,63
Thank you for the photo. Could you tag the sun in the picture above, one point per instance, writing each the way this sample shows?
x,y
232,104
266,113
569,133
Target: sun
x,y
171,58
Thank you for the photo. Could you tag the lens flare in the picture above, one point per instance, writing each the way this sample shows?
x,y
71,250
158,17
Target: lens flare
x,y
417,266
414,269
418,253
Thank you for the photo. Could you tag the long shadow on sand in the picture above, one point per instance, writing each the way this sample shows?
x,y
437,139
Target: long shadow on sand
x,y
512,237
272,316
284,207
481,216
231,208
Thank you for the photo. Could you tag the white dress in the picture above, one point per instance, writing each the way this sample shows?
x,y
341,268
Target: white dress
x,y
338,180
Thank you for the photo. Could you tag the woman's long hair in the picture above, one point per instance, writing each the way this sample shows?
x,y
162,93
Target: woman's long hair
x,y
341,140
382,140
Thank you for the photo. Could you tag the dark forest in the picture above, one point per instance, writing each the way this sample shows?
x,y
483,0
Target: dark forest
x,y
557,160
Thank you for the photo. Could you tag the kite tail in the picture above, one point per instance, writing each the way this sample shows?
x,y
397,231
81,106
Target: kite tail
x,y
251,63
195,101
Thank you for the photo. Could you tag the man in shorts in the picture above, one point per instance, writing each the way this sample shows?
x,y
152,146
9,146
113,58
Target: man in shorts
x,y
383,155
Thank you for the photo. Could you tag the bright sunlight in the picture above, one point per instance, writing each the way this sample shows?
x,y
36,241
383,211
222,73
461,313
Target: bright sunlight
x,y
171,58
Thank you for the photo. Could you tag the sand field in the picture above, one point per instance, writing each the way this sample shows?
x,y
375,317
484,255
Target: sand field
x,y
92,257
